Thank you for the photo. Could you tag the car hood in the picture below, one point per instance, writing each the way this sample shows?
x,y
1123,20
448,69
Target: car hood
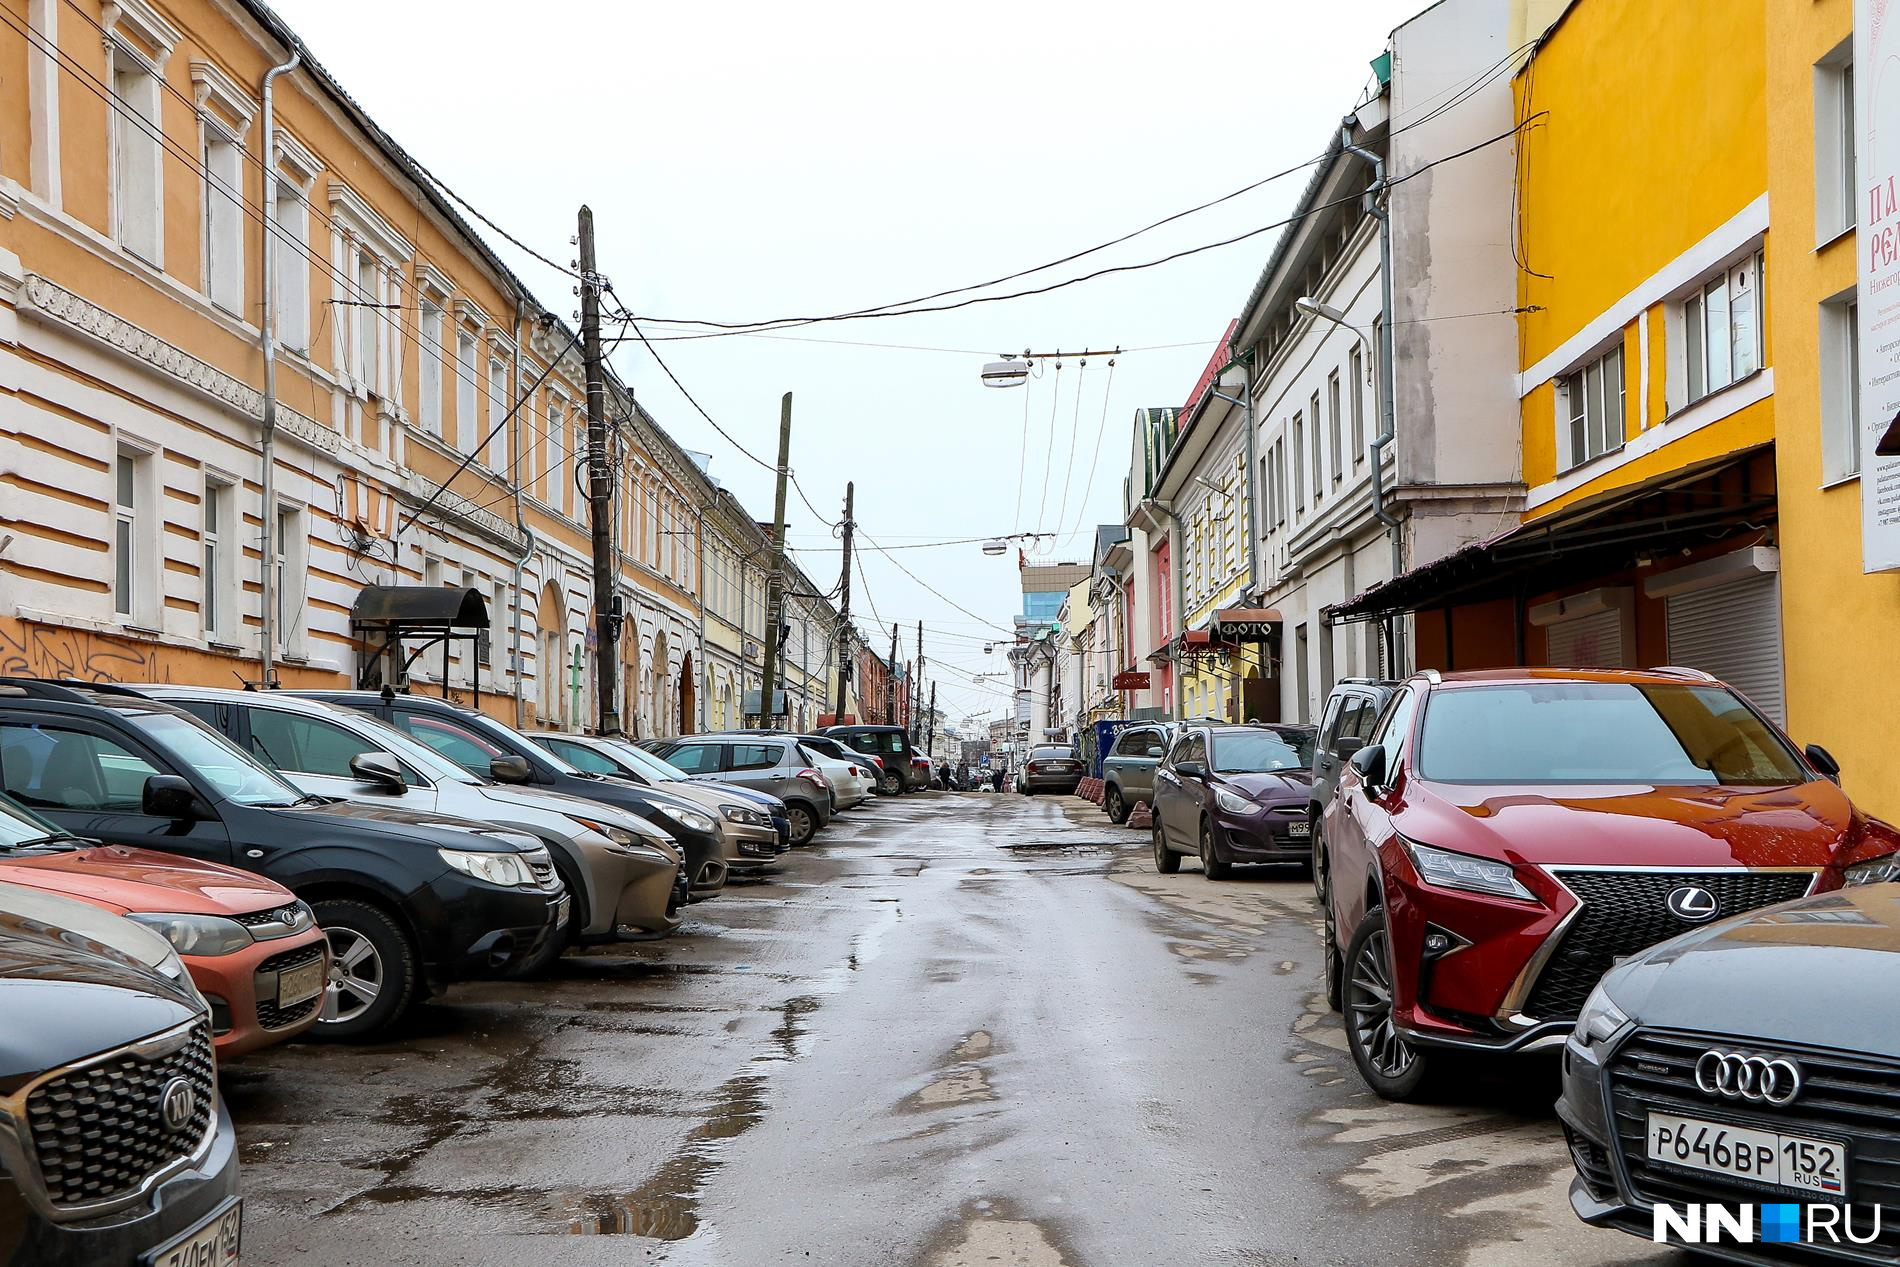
x,y
1821,971
538,803
713,796
76,980
420,826
1795,826
1270,787
142,880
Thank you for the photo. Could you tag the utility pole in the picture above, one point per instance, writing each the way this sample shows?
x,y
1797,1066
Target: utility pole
x,y
844,609
599,488
775,579
890,682
930,724
917,689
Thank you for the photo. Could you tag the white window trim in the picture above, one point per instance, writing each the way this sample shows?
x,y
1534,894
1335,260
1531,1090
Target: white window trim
x,y
1836,208
1560,399
1840,395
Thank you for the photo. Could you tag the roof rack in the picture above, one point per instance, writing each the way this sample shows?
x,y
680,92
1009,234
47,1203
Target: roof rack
x,y
1431,675
1684,671
40,688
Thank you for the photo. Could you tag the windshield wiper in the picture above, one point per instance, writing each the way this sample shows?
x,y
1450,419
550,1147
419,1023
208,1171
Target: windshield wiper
x,y
57,838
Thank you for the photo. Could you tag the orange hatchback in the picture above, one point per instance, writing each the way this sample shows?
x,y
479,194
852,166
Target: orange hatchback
x,y
253,950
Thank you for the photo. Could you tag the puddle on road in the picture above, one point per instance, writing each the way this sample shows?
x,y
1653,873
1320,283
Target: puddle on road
x,y
966,1082
989,1234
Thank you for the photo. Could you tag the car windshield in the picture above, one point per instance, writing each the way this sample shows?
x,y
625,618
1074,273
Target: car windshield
x,y
20,825
418,754
645,762
1601,732
233,773
1256,751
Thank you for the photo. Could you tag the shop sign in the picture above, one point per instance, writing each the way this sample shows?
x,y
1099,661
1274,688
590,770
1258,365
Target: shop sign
x,y
1877,163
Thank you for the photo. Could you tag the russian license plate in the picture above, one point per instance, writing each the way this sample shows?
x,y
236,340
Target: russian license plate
x,y
1739,1152
296,985
1302,829
213,1243
561,909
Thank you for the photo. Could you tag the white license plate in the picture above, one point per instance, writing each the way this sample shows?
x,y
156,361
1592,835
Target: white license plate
x,y
1740,1152
213,1243
1302,829
299,984
561,908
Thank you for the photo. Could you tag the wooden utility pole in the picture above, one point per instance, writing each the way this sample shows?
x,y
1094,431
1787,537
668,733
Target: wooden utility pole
x,y
775,579
890,682
844,610
917,689
599,489
930,722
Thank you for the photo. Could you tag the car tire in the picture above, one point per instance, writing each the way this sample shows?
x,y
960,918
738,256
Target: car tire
x,y
804,822
1329,959
1167,862
1117,807
371,956
1321,893
1392,1067
1211,865
888,785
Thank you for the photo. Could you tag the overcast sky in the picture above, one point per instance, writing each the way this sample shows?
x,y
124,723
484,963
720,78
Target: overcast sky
x,y
748,161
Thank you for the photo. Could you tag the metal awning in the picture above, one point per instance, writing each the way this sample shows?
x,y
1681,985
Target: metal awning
x,y
384,615
1675,511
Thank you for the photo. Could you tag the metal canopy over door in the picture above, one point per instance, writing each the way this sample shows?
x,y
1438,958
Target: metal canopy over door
x,y
1586,642
1734,632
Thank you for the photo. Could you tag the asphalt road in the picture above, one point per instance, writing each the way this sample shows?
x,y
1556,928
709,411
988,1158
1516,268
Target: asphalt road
x,y
963,1030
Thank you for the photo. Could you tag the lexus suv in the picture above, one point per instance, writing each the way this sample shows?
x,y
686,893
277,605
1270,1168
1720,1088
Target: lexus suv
x,y
1753,1060
105,1053
1507,836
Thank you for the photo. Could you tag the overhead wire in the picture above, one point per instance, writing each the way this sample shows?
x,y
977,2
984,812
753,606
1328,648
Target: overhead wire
x,y
1075,426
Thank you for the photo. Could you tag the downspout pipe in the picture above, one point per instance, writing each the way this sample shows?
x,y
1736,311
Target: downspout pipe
x,y
704,685
521,525
267,343
1376,206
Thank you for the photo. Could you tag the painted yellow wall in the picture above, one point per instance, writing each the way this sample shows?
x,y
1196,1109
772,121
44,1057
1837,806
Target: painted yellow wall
x,y
1841,627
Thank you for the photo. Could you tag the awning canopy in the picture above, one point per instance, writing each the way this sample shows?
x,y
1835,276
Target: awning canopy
x,y
1253,624
404,609
1674,512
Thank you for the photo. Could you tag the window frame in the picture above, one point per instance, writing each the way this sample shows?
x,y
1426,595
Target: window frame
x,y
1580,389
1695,315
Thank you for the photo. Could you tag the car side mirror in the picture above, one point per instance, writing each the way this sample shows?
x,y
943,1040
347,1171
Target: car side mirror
x,y
1823,760
1191,769
168,796
511,770
1346,745
1370,762
378,768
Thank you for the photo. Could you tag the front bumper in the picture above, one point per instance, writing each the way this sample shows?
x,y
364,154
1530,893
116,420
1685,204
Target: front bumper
x,y
1265,835
471,929
242,991
179,1203
750,847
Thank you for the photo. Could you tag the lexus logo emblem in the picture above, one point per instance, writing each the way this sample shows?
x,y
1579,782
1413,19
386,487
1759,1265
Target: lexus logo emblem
x,y
1772,1080
177,1105
1692,903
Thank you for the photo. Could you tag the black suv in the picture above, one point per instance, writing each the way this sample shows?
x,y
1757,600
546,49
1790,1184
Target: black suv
x,y
410,901
114,1144
489,750
1354,705
889,744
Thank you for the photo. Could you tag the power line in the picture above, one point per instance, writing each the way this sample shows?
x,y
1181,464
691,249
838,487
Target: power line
x,y
927,585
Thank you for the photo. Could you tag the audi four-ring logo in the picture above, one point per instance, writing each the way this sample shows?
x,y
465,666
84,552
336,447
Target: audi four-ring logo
x,y
1772,1080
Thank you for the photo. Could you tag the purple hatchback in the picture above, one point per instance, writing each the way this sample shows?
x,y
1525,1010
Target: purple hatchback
x,y
1229,794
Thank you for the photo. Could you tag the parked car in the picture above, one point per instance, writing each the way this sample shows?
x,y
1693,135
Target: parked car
x,y
1350,712
409,902
770,763
849,787
924,772
622,872
1507,836
868,766
98,1011
1128,771
1752,1060
1051,768
889,744
748,826
489,750
253,949
1232,794
642,762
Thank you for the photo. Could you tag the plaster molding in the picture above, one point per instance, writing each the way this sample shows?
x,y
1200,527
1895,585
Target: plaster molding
x,y
144,25
353,211
212,89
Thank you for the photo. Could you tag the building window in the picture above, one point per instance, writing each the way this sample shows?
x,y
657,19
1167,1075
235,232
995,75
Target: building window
x,y
429,370
224,221
290,277
1592,403
368,318
1333,425
1319,454
289,576
215,566
1356,374
557,430
137,158
497,413
1721,326
1836,198
128,563
467,434
1299,464
1840,389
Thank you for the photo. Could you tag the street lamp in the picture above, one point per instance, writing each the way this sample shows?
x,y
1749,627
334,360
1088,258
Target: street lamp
x,y
1326,312
1005,373
995,546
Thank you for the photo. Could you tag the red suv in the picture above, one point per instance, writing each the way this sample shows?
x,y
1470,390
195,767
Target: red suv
x,y
1503,838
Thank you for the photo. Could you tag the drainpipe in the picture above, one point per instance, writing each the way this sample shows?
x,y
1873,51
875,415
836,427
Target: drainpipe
x,y
1376,206
703,685
267,339
521,525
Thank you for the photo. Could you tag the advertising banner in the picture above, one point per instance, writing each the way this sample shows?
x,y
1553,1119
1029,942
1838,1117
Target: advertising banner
x,y
1877,164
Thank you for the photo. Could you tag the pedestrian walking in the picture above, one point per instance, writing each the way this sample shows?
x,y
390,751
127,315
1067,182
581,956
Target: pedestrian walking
x,y
996,780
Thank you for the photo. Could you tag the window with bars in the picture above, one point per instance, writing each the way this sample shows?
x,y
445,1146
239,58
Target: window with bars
x,y
1592,401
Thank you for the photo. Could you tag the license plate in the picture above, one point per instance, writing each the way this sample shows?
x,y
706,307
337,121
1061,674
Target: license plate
x,y
1740,1152
213,1243
561,909
1302,829
295,985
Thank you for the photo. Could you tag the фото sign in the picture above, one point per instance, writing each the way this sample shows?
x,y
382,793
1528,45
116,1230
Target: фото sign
x,y
1877,165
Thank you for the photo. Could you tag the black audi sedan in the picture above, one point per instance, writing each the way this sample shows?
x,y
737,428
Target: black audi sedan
x,y
114,1144
1230,794
1747,1076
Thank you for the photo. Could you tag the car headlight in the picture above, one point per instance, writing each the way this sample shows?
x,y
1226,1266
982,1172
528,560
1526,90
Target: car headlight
x,y
506,869
196,934
1447,870
690,819
740,814
618,835
1601,1019
1233,802
1874,870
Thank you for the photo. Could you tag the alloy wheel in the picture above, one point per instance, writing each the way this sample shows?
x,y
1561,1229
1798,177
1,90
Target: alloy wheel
x,y
356,976
1369,1011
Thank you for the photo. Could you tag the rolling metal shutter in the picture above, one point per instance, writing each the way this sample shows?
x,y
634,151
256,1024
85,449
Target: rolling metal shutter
x,y
1734,632
1586,642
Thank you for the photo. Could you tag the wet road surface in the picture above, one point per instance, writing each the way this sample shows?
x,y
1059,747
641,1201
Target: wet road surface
x,y
960,1029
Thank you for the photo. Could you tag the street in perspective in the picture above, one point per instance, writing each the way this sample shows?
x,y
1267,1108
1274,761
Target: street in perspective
x,y
1319,694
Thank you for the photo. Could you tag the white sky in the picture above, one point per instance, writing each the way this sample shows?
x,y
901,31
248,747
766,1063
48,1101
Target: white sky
x,y
747,160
